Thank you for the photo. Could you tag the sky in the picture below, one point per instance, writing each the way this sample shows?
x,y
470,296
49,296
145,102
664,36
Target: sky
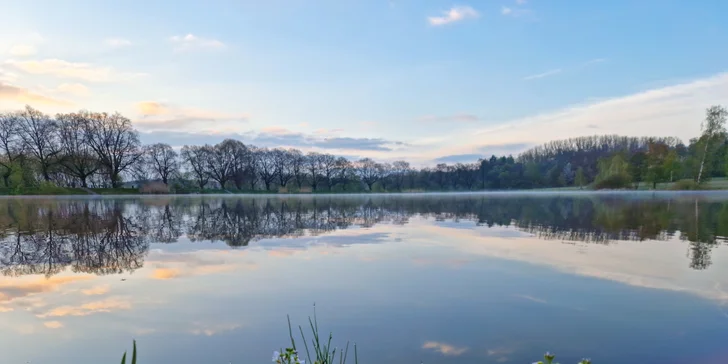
x,y
423,80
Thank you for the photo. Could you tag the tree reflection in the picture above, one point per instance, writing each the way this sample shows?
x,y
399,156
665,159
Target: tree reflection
x,y
110,236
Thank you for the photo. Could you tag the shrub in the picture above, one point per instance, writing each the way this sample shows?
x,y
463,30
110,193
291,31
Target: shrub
x,y
613,182
685,185
154,188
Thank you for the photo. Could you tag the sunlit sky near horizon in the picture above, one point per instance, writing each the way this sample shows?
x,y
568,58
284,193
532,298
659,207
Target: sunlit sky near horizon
x,y
422,80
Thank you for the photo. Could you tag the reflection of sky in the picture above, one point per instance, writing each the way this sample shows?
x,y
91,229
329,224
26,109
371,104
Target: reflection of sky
x,y
426,291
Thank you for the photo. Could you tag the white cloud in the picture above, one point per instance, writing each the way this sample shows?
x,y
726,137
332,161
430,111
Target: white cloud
x,y
675,110
117,42
455,14
506,10
23,50
520,2
71,70
444,349
25,96
542,75
192,42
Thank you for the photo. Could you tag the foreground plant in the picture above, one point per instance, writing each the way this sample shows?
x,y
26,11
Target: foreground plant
x,y
133,356
549,359
323,353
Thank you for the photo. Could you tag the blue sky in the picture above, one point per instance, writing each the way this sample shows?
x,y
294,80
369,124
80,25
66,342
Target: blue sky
x,y
423,80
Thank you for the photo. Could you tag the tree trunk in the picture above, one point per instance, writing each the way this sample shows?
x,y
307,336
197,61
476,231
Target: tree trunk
x,y
702,162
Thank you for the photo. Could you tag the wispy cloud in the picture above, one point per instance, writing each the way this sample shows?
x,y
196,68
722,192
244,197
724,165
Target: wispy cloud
x,y
117,42
23,50
593,61
75,89
25,96
53,324
96,291
160,116
542,75
192,42
521,2
506,10
444,349
108,305
71,70
455,14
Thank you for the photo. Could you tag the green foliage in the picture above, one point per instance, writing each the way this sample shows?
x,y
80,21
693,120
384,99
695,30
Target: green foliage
x,y
323,353
548,358
614,173
613,182
133,356
580,179
685,185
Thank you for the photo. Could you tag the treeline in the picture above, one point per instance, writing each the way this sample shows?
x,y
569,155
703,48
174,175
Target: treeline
x,y
100,150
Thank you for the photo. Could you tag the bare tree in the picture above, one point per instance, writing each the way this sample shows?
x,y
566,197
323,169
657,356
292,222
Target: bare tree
x,y
298,161
196,159
79,159
385,172
283,163
344,171
400,169
327,165
222,161
313,167
267,168
368,171
241,159
163,160
11,145
114,141
40,136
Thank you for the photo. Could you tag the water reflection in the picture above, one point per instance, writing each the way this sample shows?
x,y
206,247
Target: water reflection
x,y
108,236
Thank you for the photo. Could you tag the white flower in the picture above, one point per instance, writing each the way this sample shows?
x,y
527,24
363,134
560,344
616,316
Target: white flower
x,y
276,356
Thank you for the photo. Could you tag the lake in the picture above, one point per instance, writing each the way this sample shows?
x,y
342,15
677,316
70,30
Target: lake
x,y
451,278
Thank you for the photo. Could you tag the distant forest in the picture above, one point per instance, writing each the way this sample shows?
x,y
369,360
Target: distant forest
x,y
101,150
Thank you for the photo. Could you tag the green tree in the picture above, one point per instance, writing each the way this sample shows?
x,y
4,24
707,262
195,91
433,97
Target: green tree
x,y
712,128
638,167
671,165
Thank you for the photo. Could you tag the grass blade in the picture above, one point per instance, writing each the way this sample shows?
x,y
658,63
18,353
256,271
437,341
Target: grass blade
x,y
134,354
123,358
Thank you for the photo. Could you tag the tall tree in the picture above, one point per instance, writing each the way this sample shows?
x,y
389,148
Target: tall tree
x,y
283,163
298,168
327,165
11,145
79,159
713,126
400,169
39,133
312,164
196,159
222,161
114,141
267,167
368,171
163,160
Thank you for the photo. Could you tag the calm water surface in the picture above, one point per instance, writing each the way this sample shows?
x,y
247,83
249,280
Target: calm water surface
x,y
622,278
